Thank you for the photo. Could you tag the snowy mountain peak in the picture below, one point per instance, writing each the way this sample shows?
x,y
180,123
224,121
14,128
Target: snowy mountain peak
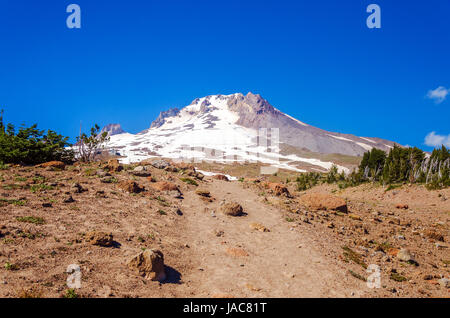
x,y
236,103
113,129
230,125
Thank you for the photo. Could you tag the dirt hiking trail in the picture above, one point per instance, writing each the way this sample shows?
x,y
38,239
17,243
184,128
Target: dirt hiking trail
x,y
232,259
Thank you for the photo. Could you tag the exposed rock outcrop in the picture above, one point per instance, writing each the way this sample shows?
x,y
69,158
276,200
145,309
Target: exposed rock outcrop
x,y
112,129
158,122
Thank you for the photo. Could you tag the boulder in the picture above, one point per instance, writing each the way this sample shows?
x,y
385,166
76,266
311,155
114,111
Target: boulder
x,y
130,186
221,177
402,206
404,255
195,174
171,169
77,188
141,171
160,164
113,165
232,209
324,201
51,165
99,238
149,264
277,188
203,193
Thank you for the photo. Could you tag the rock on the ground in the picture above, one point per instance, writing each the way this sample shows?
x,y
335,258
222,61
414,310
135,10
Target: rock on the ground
x,y
149,264
202,192
69,199
195,174
440,246
221,177
171,169
444,282
167,187
54,165
277,188
405,255
113,165
141,171
160,164
324,201
354,217
232,209
130,186
77,188
259,227
99,238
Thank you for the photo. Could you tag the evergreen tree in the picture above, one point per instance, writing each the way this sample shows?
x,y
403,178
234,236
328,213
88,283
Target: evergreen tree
x,y
31,145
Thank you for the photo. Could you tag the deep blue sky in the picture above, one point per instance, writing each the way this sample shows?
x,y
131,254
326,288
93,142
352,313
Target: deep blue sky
x,y
315,60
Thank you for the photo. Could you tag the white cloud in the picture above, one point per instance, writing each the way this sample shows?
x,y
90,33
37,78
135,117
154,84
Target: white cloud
x,y
434,140
439,94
